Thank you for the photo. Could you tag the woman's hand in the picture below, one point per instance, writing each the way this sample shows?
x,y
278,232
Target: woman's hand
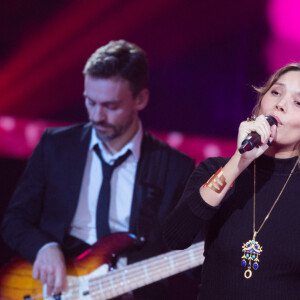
x,y
266,132
239,162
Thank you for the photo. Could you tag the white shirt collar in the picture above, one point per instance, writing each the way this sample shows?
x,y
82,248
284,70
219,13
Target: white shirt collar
x,y
134,145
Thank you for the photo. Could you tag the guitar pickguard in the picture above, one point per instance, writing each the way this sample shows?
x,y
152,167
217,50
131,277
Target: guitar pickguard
x,y
78,286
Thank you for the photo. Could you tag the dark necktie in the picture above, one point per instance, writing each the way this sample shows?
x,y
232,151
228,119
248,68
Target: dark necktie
x,y
102,215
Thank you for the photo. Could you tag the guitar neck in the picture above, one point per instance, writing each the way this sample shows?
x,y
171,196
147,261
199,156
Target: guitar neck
x,y
142,273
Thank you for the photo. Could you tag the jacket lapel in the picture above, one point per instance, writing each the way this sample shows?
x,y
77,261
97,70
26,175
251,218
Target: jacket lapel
x,y
77,153
149,185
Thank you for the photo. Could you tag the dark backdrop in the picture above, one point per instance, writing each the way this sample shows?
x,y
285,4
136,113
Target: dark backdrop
x,y
203,55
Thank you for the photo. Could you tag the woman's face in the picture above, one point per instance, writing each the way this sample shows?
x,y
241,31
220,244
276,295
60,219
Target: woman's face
x,y
283,102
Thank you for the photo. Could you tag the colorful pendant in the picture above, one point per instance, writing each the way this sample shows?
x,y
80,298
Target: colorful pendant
x,y
251,251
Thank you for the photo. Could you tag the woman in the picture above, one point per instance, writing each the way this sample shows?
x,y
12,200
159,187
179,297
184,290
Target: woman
x,y
249,204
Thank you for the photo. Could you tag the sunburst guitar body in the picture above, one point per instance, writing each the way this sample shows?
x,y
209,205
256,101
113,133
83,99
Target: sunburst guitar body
x,y
90,276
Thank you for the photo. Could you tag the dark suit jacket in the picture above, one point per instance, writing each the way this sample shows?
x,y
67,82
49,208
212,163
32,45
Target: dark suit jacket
x,y
45,200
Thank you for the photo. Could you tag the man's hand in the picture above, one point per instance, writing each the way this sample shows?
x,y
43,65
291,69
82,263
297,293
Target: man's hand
x,y
49,267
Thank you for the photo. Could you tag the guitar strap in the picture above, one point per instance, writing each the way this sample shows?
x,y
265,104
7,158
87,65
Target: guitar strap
x,y
150,183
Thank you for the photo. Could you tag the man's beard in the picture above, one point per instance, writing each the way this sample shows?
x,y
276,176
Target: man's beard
x,y
113,131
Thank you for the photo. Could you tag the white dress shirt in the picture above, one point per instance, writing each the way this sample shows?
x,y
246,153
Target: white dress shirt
x,y
83,225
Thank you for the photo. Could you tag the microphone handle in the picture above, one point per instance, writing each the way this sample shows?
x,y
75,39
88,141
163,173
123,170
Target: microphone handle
x,y
253,139
250,142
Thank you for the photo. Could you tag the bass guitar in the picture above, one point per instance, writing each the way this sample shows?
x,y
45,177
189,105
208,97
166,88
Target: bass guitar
x,y
89,276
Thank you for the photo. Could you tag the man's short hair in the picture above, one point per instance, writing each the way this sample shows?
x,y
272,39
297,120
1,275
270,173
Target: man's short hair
x,y
120,59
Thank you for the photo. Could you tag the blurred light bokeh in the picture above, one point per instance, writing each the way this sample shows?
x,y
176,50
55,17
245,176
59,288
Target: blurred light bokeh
x,y
204,56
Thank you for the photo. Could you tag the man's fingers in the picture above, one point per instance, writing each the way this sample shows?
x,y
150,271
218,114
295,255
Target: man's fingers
x,y
60,280
35,272
50,280
50,290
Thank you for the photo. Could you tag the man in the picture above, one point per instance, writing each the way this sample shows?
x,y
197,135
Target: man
x,y
55,211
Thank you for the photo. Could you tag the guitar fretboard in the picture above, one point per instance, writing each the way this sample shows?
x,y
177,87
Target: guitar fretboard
x,y
142,273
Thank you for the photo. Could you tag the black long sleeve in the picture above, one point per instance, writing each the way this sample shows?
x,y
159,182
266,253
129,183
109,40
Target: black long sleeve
x,y
231,224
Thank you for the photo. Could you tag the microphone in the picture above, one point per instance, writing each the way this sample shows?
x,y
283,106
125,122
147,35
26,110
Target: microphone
x,y
253,138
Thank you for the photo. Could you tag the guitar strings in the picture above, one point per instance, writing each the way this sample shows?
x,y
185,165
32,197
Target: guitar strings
x,y
112,284
154,268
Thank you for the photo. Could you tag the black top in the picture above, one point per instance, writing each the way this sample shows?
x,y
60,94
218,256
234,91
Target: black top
x,y
231,224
